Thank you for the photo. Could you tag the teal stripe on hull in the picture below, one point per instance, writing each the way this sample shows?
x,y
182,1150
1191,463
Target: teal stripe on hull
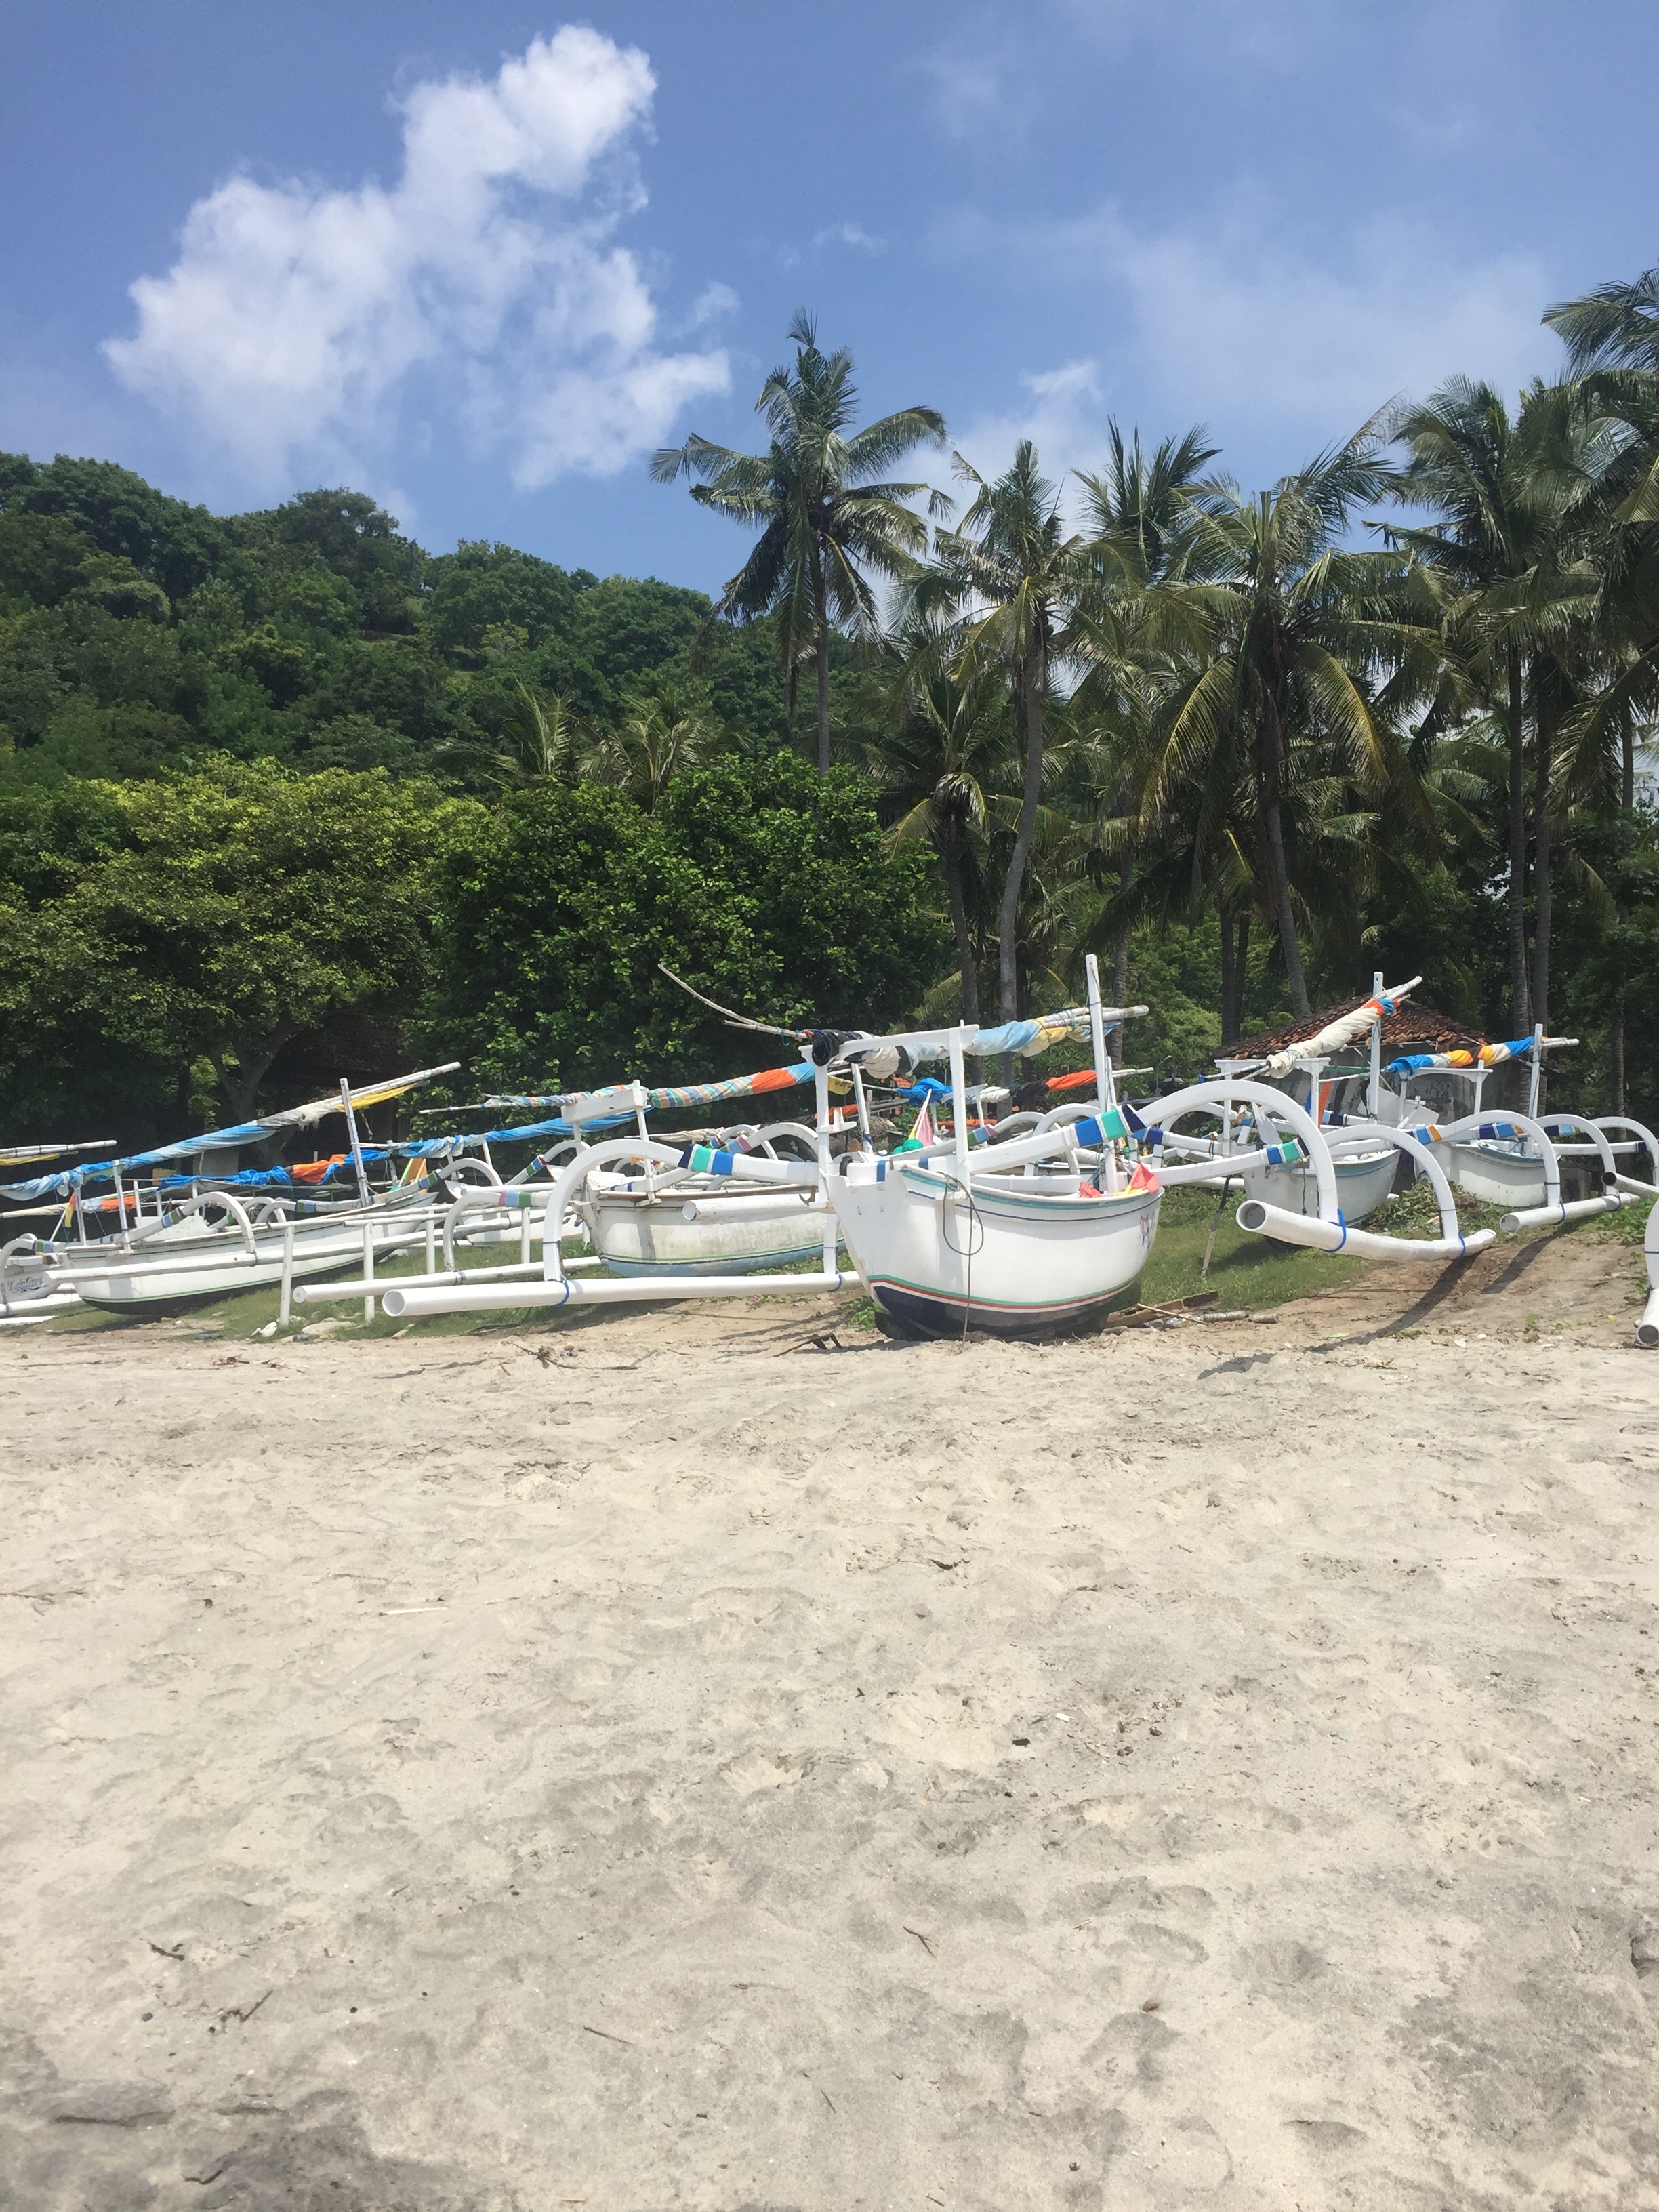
x,y
749,1263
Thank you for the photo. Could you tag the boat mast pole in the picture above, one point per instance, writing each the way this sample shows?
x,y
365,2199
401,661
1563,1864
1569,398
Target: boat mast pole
x,y
821,1196
357,1149
861,1103
1537,1072
1104,1098
1374,1096
959,1102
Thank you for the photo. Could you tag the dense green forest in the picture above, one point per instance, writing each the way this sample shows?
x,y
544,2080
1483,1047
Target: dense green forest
x,y
280,786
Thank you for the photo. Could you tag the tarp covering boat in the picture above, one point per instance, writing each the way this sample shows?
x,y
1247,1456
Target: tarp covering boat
x,y
70,1180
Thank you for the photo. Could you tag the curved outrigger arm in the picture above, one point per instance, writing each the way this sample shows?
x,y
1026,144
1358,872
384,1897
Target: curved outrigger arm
x,y
1615,1124
1555,1209
1327,1230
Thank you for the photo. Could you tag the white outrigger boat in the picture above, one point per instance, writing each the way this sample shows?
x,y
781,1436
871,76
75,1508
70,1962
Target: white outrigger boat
x,y
641,1222
942,1237
28,1294
1513,1159
1039,1229
1366,1163
214,1228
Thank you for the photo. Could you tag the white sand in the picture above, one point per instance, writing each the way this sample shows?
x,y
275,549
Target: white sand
x,y
529,1781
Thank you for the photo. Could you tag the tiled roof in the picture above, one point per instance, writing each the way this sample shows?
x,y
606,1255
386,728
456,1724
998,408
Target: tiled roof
x,y
1414,1027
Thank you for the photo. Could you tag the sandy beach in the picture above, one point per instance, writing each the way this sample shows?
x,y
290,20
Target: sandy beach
x,y
707,1759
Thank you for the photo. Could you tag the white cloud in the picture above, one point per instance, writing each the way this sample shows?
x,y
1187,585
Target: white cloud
x,y
1278,346
714,301
1234,317
849,233
1062,416
295,315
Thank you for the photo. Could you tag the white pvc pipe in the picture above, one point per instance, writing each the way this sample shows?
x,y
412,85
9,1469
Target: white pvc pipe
x,y
749,1207
490,1297
1577,1209
317,1294
1264,1220
1645,1136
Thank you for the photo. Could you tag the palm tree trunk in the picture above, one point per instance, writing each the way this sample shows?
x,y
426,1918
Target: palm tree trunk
x,y
1229,974
821,657
1520,994
1035,684
1544,719
1241,974
1626,800
1126,870
1269,764
952,850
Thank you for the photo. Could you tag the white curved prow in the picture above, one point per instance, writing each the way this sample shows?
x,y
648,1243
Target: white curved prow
x,y
1647,1329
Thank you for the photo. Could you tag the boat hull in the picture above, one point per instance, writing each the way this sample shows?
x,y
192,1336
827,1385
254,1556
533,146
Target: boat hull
x,y
1018,1258
653,1237
180,1282
1361,1184
176,1269
1495,1172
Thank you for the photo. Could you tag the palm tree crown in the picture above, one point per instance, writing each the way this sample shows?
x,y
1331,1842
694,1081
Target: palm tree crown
x,y
825,511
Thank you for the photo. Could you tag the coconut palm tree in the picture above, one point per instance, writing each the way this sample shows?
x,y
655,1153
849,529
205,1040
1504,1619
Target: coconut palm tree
x,y
826,512
1013,574
943,761
1137,513
1299,627
541,742
650,748
1518,499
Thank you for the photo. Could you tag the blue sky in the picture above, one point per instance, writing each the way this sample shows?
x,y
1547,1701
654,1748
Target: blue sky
x,y
479,261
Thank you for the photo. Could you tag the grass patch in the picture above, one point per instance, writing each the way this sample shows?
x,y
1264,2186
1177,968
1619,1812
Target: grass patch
x,y
1247,1273
1628,1226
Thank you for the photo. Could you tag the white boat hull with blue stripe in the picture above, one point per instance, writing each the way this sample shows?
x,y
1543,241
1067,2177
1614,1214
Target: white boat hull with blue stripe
x,y
745,1234
1363,1179
1015,1254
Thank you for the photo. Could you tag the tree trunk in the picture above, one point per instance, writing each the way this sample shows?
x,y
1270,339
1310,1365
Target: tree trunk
x,y
1126,871
1235,967
823,659
1626,800
1229,1025
253,1062
952,849
1269,771
1035,684
1544,740
1241,974
1520,993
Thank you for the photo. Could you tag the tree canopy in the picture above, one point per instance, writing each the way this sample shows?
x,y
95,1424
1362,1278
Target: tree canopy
x,y
261,774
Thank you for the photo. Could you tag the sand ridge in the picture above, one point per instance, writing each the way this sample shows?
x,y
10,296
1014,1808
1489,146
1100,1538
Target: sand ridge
x,y
667,1764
